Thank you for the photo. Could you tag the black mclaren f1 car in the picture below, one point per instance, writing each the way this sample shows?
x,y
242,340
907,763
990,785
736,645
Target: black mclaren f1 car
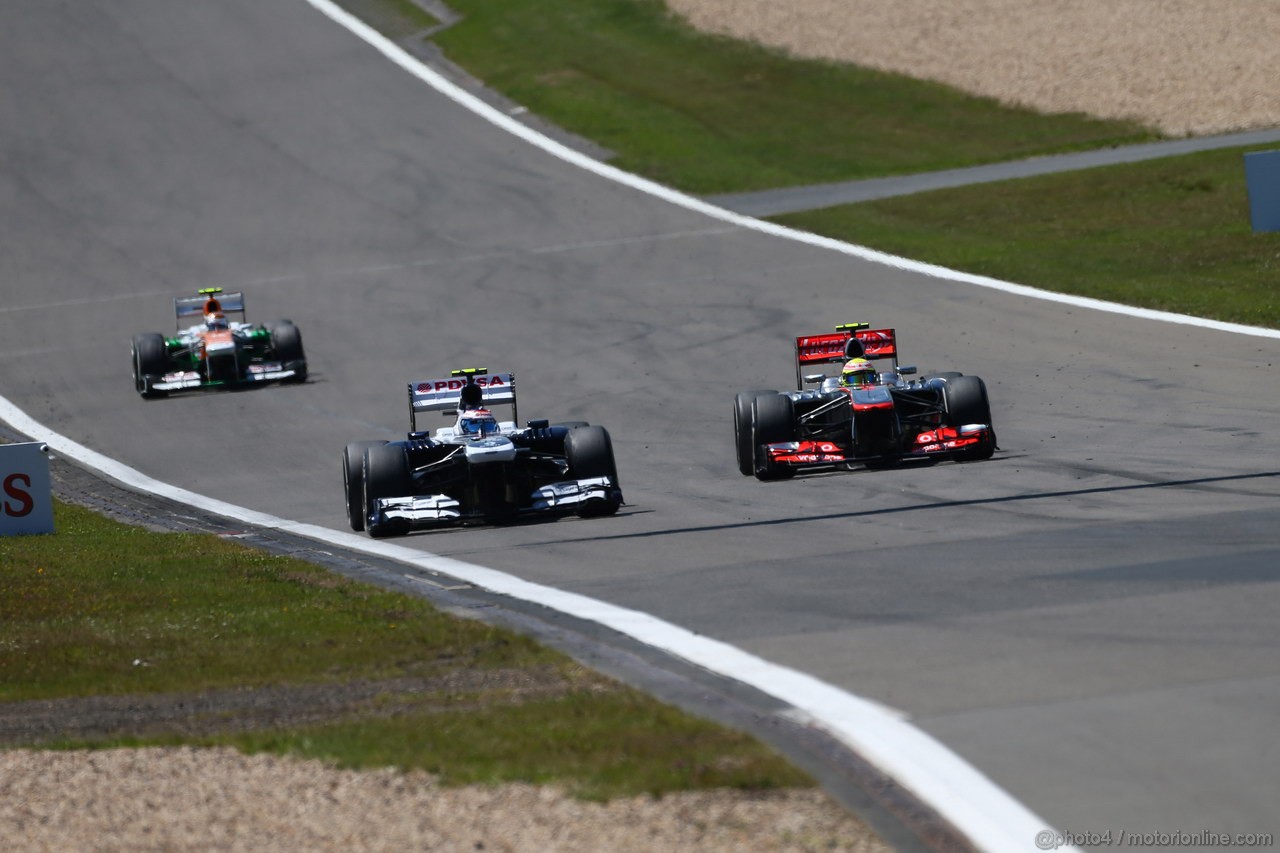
x,y
870,414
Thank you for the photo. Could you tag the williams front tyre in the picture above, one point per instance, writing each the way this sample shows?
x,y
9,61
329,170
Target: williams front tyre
x,y
590,453
353,480
385,471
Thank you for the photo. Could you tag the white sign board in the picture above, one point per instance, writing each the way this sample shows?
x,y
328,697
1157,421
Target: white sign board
x,y
26,502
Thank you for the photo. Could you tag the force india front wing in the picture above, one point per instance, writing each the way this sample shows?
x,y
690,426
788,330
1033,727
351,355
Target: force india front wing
x,y
264,372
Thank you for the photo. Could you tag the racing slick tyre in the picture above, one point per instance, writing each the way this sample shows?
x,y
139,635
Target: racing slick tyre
x,y
946,374
353,480
590,453
965,399
286,342
742,430
385,471
150,363
773,420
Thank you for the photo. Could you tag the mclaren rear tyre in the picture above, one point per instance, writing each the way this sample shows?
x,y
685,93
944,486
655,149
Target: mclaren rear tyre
x,y
353,480
742,430
286,343
965,398
590,453
773,421
385,472
150,363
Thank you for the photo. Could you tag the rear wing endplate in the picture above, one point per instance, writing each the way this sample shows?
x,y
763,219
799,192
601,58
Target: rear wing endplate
x,y
446,395
209,299
832,347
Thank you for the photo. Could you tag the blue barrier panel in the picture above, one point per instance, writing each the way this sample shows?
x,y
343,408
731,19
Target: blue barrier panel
x,y
1262,176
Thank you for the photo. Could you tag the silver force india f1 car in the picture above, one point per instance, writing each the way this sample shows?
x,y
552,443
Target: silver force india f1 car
x,y
216,352
480,469
869,414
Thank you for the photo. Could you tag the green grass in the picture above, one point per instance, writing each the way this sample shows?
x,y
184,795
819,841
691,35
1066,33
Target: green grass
x,y
102,608
1171,234
197,612
596,746
709,114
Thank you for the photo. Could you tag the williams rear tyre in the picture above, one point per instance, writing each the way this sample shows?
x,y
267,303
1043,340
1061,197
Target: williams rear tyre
x,y
590,453
353,480
773,421
286,343
965,399
150,364
742,430
385,472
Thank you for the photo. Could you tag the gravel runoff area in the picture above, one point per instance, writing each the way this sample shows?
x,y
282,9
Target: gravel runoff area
x,y
222,800
1186,67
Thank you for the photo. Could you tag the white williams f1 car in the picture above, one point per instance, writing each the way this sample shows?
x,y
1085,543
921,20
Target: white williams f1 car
x,y
479,469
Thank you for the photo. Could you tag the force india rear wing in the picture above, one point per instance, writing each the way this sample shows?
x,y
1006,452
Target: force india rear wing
x,y
470,388
210,299
875,344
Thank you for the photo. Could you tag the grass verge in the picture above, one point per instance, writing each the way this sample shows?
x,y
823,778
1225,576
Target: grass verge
x,y
104,609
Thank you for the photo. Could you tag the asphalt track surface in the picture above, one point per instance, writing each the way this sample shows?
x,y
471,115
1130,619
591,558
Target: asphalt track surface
x,y
1088,618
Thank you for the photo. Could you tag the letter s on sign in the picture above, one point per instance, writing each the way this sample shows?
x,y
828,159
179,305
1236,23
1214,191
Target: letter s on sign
x,y
18,494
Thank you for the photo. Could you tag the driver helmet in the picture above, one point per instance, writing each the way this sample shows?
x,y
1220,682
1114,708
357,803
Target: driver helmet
x,y
857,373
215,321
478,422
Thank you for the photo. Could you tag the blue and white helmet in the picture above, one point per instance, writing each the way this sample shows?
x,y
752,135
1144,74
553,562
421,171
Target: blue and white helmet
x,y
477,422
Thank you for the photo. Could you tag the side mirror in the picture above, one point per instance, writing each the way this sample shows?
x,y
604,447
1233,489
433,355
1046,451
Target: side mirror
x,y
908,370
814,378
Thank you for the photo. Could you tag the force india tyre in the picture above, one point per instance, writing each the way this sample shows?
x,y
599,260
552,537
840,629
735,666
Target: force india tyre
x,y
385,471
286,342
353,480
590,453
965,398
742,430
772,422
150,363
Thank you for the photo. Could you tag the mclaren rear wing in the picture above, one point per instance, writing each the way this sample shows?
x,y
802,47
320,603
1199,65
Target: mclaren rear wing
x,y
843,344
208,300
470,388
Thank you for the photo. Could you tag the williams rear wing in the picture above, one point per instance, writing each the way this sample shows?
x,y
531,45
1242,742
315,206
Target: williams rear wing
x,y
847,341
470,388
208,300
